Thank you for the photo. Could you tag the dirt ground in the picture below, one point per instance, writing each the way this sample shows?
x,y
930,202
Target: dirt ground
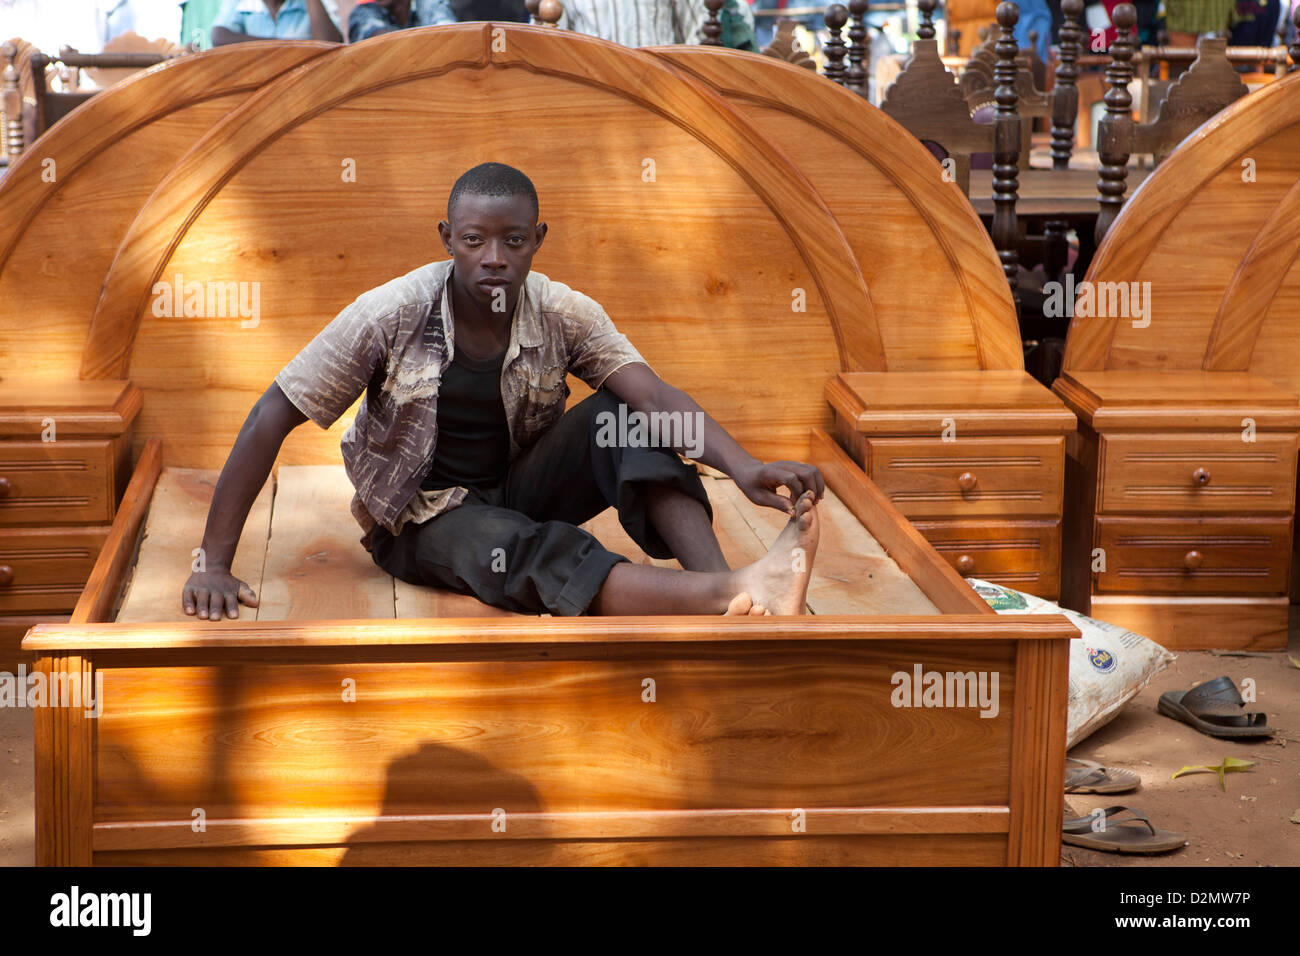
x,y
1248,825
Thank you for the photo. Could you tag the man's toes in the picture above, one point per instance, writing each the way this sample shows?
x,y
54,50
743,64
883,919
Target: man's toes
x,y
757,610
740,604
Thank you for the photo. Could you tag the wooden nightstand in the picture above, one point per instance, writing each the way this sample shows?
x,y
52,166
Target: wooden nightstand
x,y
57,497
974,458
1180,500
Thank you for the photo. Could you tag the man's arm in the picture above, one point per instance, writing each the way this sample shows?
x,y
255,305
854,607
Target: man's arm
x,y
644,391
214,590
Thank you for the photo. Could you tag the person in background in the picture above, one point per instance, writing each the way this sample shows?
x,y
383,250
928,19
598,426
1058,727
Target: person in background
x,y
501,11
370,18
196,21
242,20
657,22
1035,15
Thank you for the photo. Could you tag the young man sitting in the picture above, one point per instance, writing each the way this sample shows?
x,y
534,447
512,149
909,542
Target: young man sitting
x,y
469,473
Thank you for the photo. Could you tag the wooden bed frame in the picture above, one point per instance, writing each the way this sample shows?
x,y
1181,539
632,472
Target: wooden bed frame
x,y
724,208
1208,382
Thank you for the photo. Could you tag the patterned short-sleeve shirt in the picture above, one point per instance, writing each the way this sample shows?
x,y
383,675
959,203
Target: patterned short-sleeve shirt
x,y
393,345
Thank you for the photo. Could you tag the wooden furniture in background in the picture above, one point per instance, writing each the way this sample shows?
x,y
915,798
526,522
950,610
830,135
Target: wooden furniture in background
x,y
1229,306
65,457
1181,504
52,106
423,782
1205,89
974,459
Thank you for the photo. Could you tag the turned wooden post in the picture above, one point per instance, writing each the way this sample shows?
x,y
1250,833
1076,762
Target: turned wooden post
x,y
859,59
711,31
11,99
836,16
531,7
1115,131
1006,142
1065,95
925,31
549,12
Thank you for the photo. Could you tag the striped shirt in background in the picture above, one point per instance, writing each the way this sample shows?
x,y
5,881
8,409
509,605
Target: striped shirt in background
x,y
656,22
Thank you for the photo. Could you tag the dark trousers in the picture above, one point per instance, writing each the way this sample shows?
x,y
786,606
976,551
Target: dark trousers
x,y
517,545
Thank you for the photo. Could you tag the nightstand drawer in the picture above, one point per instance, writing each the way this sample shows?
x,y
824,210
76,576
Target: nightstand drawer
x,y
59,482
44,570
1194,556
969,477
1207,473
1025,555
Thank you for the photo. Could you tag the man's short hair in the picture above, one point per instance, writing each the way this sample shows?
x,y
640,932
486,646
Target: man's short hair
x,y
493,179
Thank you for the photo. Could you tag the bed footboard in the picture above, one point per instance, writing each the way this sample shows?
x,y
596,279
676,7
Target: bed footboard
x,y
484,741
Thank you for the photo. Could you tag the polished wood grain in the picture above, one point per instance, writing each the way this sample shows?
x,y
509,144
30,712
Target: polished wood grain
x,y
1038,754
970,319
103,169
1025,555
969,476
78,409
64,761
1189,623
1195,556
1204,188
44,569
1195,472
59,481
907,850
987,402
104,586
1182,491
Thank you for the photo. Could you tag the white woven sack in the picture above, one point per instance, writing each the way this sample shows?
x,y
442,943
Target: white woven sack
x,y
1108,664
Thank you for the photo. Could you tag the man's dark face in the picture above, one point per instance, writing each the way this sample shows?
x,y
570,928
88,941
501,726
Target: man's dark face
x,y
492,240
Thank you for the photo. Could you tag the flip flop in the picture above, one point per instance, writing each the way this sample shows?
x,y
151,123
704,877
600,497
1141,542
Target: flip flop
x,y
1087,776
1215,708
1135,835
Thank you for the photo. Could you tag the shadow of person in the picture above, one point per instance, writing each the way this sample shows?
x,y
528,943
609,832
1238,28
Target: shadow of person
x,y
440,781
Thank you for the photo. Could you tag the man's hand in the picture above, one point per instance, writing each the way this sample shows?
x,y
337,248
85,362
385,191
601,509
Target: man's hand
x,y
212,592
759,483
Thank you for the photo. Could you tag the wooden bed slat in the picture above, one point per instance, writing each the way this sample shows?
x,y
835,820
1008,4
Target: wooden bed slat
x,y
315,567
177,516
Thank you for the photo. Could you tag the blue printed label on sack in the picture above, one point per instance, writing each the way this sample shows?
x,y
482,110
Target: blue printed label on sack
x,y
1102,659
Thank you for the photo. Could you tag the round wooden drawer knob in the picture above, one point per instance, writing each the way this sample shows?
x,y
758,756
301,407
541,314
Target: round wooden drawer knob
x,y
967,481
5,487
6,574
965,564
1201,476
1193,560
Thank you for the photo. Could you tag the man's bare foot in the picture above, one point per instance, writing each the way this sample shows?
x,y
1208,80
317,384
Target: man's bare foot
x,y
742,604
778,581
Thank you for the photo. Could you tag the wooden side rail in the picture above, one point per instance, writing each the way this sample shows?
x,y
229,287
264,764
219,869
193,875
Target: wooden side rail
x,y
108,576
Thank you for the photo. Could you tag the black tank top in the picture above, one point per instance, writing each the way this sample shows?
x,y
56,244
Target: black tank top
x,y
473,444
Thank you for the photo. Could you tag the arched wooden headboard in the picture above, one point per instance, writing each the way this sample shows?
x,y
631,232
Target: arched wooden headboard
x,y
747,269
67,203
1216,231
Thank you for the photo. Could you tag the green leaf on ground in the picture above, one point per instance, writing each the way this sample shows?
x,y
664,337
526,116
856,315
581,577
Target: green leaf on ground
x,y
1229,765
1294,663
